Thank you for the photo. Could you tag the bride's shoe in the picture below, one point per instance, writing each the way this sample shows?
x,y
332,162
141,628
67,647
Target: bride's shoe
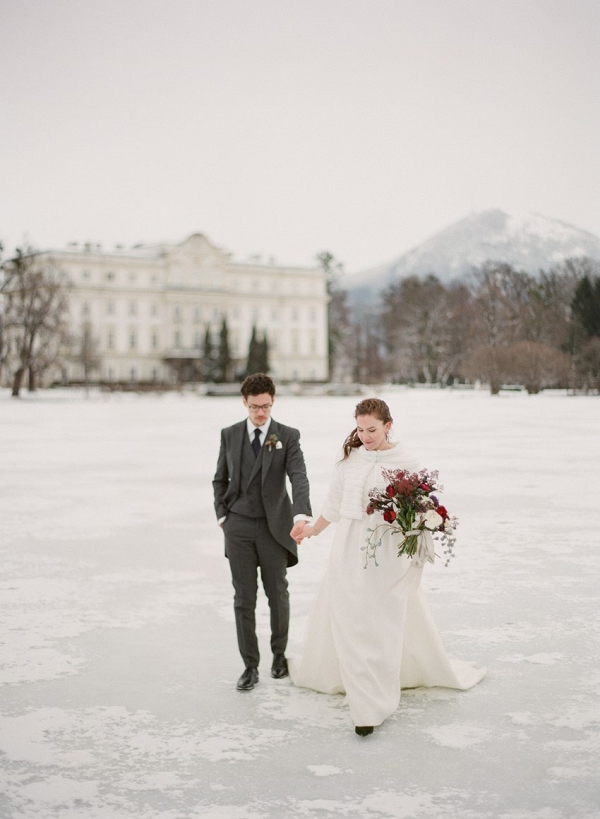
x,y
364,730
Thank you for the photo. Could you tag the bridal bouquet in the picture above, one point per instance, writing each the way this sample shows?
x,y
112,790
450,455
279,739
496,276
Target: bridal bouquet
x,y
410,510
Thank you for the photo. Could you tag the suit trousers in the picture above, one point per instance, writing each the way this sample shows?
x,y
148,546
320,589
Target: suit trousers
x,y
249,545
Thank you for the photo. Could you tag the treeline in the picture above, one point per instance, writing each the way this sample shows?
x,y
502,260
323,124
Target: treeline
x,y
502,326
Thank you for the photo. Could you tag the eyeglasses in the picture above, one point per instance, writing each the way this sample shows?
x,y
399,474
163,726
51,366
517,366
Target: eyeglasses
x,y
257,407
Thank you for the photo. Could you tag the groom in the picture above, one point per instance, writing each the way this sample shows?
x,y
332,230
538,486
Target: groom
x,y
259,520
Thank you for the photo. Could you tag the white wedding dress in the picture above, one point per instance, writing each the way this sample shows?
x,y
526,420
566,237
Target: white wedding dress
x,y
370,632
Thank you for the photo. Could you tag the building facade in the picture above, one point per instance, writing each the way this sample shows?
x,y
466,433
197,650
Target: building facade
x,y
145,311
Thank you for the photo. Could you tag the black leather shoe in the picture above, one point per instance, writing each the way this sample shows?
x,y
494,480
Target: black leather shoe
x,y
248,679
364,730
279,669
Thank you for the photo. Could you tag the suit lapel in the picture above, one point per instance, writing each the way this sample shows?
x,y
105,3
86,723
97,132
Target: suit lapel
x,y
267,454
238,443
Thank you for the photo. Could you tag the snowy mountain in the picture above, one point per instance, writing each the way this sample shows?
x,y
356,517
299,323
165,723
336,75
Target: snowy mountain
x,y
528,242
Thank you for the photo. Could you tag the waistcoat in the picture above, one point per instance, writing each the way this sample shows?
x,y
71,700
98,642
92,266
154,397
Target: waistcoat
x,y
249,502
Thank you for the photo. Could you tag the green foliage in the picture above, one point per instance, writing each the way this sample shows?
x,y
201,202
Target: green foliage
x,y
258,353
586,305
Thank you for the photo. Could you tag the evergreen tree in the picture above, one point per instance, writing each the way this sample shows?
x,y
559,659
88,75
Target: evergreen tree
x,y
254,354
208,357
264,355
258,353
223,357
586,305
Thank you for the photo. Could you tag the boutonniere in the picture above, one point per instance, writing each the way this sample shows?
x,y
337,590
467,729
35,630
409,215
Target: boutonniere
x,y
273,442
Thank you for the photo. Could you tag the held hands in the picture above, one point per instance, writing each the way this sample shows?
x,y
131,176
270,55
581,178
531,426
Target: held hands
x,y
298,531
306,530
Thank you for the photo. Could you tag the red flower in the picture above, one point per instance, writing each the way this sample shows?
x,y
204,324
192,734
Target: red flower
x,y
441,510
389,515
390,491
370,510
425,487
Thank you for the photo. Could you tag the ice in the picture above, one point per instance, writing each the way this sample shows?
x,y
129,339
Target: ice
x,y
119,658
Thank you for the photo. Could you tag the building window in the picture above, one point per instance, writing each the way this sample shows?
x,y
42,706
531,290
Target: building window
x,y
154,374
110,308
110,374
133,374
312,314
197,340
86,275
177,313
197,315
177,339
294,342
154,341
132,340
85,309
313,343
294,315
110,276
132,308
132,277
154,309
110,340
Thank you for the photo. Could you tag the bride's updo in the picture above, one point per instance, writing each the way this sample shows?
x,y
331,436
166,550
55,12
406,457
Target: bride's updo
x,y
369,406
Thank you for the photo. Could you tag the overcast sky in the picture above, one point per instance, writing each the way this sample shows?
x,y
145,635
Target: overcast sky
x,y
287,127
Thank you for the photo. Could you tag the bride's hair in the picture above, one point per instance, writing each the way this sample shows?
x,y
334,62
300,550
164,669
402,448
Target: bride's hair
x,y
369,406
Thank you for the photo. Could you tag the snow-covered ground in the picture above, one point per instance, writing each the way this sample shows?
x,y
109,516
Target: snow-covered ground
x,y
119,658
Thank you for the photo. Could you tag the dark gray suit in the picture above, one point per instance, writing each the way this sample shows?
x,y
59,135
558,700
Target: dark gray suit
x,y
251,493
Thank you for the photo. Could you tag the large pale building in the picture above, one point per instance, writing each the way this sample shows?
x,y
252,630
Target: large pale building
x,y
147,310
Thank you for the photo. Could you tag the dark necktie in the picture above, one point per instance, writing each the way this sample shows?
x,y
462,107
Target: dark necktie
x,y
256,442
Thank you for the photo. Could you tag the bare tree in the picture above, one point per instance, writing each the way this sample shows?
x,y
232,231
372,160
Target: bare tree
x,y
502,314
86,352
536,366
35,305
340,331
423,325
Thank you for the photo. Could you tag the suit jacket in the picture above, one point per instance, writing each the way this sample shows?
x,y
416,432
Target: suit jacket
x,y
276,465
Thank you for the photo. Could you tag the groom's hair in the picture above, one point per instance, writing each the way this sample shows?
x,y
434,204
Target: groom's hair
x,y
257,384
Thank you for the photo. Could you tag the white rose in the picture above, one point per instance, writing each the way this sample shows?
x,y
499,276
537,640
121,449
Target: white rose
x,y
432,519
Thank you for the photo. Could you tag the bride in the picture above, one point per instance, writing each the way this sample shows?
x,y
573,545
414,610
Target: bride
x,y
370,632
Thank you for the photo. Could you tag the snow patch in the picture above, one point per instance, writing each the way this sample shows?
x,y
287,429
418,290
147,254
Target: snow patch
x,y
324,770
523,718
537,659
457,735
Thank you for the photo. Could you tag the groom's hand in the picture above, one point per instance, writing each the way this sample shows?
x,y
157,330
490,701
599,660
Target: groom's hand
x,y
297,532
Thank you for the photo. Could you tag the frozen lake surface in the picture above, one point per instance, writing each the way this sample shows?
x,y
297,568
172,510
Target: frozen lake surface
x,y
119,658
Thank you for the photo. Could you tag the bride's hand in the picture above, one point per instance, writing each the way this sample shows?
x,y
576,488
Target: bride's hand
x,y
307,531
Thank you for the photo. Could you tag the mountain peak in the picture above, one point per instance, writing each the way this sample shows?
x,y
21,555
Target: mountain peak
x,y
528,241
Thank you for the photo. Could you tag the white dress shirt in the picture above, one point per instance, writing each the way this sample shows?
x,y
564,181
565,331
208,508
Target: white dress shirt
x,y
263,430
